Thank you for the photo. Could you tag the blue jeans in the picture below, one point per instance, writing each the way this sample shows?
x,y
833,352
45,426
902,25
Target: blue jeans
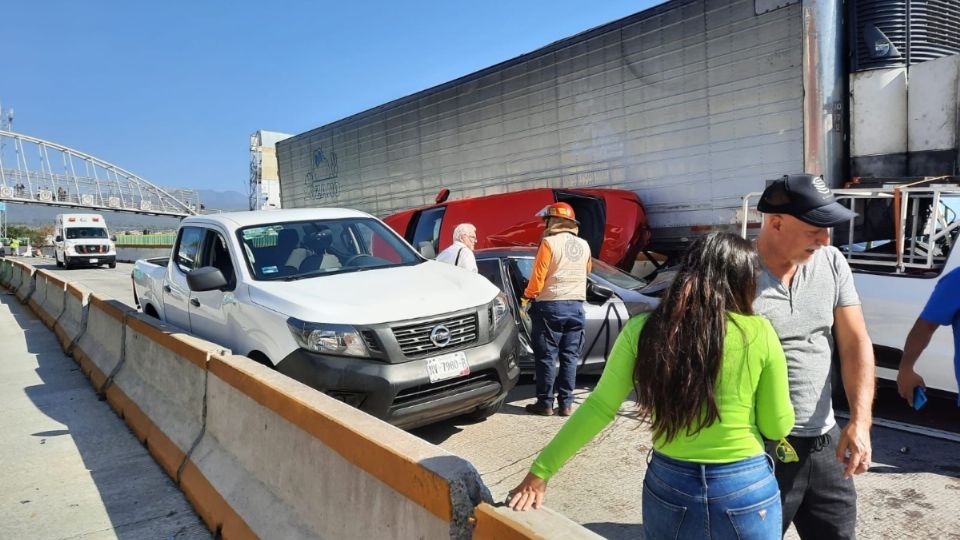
x,y
557,333
682,499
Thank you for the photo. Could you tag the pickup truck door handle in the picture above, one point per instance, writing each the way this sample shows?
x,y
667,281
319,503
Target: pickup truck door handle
x,y
166,288
194,302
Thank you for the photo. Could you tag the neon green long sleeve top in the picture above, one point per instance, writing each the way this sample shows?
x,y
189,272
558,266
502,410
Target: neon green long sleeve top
x,y
752,396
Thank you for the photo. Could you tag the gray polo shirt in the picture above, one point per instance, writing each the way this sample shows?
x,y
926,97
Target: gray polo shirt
x,y
803,318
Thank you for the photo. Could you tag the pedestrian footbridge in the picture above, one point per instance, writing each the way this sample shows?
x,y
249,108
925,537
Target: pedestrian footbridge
x,y
35,171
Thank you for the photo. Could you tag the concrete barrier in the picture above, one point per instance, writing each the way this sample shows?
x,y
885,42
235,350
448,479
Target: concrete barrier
x,y
26,284
16,275
160,388
6,267
131,254
261,455
281,460
39,292
71,322
47,300
99,350
501,523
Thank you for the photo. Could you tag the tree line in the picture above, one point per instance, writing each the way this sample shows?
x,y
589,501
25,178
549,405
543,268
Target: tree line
x,y
37,235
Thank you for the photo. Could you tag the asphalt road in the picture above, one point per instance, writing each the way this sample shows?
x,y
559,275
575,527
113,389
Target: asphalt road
x,y
913,489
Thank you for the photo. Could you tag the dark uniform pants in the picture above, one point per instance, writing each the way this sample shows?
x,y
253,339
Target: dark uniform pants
x,y
557,334
815,497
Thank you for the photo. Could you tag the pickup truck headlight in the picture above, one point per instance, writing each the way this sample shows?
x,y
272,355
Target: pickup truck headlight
x,y
499,313
327,338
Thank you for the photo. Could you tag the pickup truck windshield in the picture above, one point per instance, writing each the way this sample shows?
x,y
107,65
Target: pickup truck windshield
x,y
304,249
74,233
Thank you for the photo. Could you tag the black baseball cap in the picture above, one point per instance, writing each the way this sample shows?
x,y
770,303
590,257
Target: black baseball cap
x,y
805,197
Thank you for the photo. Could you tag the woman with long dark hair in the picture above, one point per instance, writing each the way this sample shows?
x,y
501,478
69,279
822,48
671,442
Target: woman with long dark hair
x,y
711,380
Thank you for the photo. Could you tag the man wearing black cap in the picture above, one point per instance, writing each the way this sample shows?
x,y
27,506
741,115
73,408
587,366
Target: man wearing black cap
x,y
806,291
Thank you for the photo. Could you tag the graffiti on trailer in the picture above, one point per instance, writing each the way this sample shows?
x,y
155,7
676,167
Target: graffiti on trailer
x,y
326,190
324,167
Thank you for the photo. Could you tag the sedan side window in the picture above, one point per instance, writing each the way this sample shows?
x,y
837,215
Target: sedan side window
x,y
188,247
490,269
520,270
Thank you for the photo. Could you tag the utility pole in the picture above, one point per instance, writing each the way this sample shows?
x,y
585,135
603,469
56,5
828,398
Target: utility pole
x,y
6,124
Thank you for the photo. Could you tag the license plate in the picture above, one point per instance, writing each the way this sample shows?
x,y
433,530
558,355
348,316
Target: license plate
x,y
94,260
448,366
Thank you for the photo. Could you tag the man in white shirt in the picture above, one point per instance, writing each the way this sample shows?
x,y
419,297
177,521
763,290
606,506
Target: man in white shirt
x,y
460,252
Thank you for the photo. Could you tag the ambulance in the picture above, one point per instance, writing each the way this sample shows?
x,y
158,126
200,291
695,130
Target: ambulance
x,y
83,240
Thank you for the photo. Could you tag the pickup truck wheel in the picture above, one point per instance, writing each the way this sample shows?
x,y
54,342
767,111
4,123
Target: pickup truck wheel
x,y
112,265
59,264
260,358
487,411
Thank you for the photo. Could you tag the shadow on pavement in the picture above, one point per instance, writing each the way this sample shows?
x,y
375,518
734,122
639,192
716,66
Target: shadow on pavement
x,y
139,499
632,531
522,393
900,452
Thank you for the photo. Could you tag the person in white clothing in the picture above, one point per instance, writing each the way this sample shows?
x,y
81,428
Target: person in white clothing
x,y
460,252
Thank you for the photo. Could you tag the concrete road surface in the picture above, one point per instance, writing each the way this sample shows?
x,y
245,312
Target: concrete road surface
x,y
104,281
69,467
912,491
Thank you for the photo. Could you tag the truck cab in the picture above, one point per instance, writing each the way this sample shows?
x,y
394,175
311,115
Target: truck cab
x,y
83,240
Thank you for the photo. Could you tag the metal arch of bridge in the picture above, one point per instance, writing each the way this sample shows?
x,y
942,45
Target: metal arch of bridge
x,y
54,175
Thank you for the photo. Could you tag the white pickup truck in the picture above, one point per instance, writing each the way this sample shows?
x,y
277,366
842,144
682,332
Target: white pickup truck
x,y
337,300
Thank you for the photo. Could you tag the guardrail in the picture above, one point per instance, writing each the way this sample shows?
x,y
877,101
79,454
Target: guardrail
x,y
257,453
149,240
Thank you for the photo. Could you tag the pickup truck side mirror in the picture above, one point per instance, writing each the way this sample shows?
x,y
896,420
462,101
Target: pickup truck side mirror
x,y
58,238
597,293
206,278
113,238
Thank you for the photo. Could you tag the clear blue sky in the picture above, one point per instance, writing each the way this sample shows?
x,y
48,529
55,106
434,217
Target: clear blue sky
x,y
172,90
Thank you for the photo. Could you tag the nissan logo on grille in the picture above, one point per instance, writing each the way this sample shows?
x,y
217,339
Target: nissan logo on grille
x,y
440,335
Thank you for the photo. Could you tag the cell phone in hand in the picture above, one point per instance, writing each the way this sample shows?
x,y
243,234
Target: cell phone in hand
x,y
919,398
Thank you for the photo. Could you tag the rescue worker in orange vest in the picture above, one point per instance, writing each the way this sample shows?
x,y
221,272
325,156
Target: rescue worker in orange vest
x,y
558,288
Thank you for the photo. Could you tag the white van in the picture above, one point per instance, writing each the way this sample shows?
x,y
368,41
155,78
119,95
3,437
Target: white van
x,y
83,239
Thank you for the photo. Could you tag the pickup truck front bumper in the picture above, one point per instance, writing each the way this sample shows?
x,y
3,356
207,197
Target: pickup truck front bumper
x,y
401,393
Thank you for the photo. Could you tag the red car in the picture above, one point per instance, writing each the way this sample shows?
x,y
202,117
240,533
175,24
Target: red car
x,y
612,221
